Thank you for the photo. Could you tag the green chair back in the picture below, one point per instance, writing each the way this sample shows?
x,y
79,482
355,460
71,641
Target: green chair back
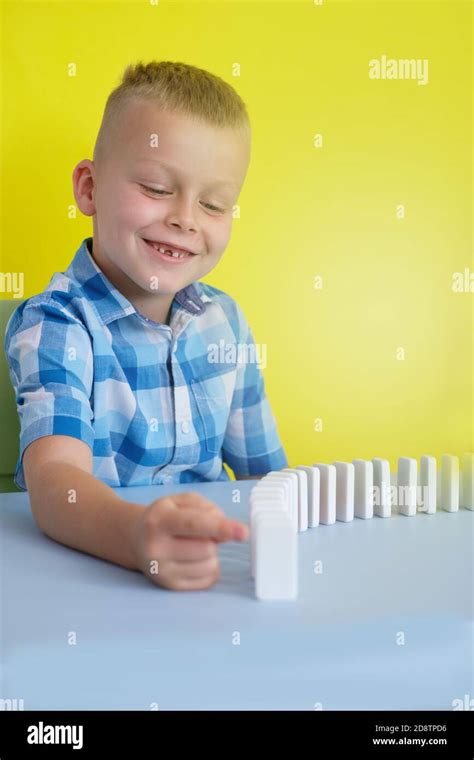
x,y
9,422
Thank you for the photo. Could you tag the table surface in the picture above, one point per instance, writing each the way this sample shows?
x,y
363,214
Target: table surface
x,y
386,625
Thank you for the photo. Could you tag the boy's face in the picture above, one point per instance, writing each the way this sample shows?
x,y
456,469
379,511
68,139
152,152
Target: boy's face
x,y
198,171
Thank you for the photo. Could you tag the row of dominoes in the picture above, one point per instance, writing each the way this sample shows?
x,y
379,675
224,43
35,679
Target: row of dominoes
x,y
289,501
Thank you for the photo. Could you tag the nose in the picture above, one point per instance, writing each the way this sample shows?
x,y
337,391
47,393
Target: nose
x,y
181,214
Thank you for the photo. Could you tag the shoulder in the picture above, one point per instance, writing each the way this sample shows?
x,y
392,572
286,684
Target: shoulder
x,y
61,300
46,314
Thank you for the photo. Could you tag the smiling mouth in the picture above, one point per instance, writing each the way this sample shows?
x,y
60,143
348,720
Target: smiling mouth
x,y
172,253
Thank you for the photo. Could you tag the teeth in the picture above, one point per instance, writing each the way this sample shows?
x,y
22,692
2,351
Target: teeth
x,y
174,254
171,252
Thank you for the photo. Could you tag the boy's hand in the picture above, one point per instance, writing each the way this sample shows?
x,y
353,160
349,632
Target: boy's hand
x,y
177,537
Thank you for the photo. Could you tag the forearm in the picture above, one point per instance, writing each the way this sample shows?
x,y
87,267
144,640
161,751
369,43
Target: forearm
x,y
73,507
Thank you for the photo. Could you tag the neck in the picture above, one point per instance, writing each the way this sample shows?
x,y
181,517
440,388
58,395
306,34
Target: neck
x,y
158,309
154,306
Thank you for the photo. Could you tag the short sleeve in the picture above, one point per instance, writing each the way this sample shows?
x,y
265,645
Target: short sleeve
x,y
50,360
251,444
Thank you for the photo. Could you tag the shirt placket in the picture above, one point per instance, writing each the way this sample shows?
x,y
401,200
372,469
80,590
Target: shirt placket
x,y
182,402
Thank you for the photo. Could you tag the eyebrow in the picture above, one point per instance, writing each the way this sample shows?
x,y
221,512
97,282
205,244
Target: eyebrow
x,y
171,169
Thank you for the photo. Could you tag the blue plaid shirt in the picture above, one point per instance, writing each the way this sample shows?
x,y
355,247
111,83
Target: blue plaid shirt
x,y
146,397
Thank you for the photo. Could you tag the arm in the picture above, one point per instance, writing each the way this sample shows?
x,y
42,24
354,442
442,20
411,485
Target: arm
x,y
53,391
73,507
251,442
178,534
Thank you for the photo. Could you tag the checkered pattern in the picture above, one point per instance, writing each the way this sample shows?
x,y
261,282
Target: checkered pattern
x,y
144,396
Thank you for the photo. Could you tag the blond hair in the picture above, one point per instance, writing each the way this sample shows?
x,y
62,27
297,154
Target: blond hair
x,y
175,87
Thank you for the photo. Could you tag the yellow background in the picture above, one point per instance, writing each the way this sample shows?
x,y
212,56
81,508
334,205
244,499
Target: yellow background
x,y
305,211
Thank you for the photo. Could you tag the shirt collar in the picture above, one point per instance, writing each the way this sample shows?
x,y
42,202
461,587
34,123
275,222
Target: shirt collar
x,y
110,302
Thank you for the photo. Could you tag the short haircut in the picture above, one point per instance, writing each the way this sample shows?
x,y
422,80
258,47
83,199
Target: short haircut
x,y
174,87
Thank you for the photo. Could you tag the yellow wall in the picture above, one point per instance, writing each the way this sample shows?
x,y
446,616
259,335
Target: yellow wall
x,y
306,211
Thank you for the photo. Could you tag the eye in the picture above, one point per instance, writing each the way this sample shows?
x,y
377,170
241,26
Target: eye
x,y
213,208
152,190
164,192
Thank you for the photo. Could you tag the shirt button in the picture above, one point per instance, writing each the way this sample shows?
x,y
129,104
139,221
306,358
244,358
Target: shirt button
x,y
185,426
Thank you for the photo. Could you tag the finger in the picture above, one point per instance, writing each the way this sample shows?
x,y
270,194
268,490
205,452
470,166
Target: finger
x,y
196,584
190,571
184,548
188,522
240,532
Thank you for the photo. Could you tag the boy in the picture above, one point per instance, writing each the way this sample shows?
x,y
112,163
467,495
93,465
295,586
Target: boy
x,y
111,364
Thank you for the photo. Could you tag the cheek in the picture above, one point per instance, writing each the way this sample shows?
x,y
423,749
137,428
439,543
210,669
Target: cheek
x,y
126,209
135,210
211,260
221,233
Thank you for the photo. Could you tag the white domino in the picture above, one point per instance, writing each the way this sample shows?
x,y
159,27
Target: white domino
x,y
292,479
283,484
406,486
344,491
327,493
363,488
382,503
450,483
438,489
468,481
313,494
286,502
276,557
268,500
302,497
428,484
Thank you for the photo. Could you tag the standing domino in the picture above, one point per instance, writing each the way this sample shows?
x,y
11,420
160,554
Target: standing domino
x,y
428,484
450,483
302,497
363,488
468,481
313,494
272,494
276,558
327,493
382,487
406,486
283,484
344,491
268,500
292,479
